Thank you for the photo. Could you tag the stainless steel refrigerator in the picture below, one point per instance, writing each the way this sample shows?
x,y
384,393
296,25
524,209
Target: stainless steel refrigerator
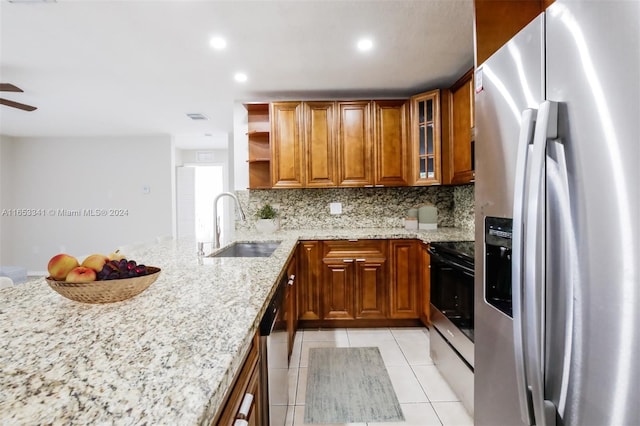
x,y
557,287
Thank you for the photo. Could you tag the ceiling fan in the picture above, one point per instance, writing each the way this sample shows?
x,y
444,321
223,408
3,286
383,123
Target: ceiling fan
x,y
7,87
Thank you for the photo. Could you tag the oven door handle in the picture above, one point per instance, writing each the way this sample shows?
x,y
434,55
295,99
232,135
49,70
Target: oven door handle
x,y
452,263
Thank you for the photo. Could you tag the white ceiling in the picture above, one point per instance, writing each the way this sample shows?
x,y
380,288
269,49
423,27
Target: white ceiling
x,y
137,67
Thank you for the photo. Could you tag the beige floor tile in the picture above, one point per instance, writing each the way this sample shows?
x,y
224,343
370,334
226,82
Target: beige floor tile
x,y
293,384
363,336
290,413
406,385
294,361
410,332
452,414
434,385
391,353
331,335
420,414
278,414
301,393
415,350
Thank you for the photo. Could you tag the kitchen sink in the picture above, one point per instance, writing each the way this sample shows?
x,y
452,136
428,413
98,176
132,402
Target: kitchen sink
x,y
248,249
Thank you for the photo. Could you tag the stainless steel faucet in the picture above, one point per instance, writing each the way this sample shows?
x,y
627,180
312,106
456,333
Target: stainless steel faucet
x,y
216,219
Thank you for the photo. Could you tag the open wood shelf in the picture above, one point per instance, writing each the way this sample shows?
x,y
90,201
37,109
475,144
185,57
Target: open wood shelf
x,y
259,129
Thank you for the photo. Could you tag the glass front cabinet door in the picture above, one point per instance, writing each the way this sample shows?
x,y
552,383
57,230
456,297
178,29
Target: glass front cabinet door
x,y
425,133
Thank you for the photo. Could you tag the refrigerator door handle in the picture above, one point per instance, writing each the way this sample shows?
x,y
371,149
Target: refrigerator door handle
x,y
534,270
558,186
525,140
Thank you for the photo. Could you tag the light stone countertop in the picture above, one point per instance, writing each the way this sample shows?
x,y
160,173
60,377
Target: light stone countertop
x,y
164,357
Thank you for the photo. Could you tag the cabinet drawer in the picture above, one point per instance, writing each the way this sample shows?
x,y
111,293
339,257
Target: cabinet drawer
x,y
355,249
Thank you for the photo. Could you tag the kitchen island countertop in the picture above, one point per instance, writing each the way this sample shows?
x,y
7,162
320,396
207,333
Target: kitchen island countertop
x,y
166,356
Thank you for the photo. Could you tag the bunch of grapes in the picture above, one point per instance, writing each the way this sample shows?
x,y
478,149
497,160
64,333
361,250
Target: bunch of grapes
x,y
123,268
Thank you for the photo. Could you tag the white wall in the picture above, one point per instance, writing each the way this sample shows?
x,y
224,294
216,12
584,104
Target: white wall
x,y
6,144
77,174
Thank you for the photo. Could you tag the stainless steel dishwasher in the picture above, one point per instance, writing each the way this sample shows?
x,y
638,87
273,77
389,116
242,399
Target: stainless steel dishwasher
x,y
274,364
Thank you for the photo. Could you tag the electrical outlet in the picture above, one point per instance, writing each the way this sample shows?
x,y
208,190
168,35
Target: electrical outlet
x,y
335,208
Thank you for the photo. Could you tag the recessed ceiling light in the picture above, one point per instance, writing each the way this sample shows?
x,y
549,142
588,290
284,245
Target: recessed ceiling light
x,y
240,77
218,43
365,44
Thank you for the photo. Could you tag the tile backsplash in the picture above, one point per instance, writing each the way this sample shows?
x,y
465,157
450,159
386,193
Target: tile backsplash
x,y
361,207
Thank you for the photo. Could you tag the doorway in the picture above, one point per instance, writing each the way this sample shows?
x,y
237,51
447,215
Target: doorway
x,y
197,185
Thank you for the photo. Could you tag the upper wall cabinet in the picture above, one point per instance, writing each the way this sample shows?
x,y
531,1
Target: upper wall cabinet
x,y
457,132
354,144
325,144
286,149
390,143
497,21
425,135
319,144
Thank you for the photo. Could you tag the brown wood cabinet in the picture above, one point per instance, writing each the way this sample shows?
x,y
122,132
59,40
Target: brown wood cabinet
x,y
425,136
354,279
391,143
286,148
247,384
258,134
457,131
497,21
319,144
404,283
326,144
309,258
370,283
354,144
425,281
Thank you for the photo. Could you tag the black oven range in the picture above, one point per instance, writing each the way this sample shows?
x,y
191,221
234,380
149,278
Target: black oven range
x,y
452,299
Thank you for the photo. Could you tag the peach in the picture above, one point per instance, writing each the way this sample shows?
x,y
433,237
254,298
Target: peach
x,y
95,262
60,265
81,274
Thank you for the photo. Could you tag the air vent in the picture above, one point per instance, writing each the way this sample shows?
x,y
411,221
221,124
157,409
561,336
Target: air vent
x,y
197,116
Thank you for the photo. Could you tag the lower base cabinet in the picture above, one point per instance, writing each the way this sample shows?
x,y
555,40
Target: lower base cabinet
x,y
404,283
244,400
359,283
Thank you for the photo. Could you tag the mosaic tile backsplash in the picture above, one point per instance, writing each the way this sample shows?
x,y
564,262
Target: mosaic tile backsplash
x,y
361,207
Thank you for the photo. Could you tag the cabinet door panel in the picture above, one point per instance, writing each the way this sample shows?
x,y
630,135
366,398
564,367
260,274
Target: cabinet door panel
x,y
457,138
390,143
308,280
404,283
286,157
370,289
338,289
425,135
354,144
319,146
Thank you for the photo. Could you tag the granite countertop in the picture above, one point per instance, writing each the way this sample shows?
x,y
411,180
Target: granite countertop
x,y
166,356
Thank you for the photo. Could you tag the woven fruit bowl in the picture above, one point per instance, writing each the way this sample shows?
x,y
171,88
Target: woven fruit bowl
x,y
105,291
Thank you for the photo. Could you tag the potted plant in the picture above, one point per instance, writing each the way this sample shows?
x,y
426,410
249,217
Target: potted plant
x,y
267,219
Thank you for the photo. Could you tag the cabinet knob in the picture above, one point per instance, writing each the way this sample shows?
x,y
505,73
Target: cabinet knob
x,y
292,277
